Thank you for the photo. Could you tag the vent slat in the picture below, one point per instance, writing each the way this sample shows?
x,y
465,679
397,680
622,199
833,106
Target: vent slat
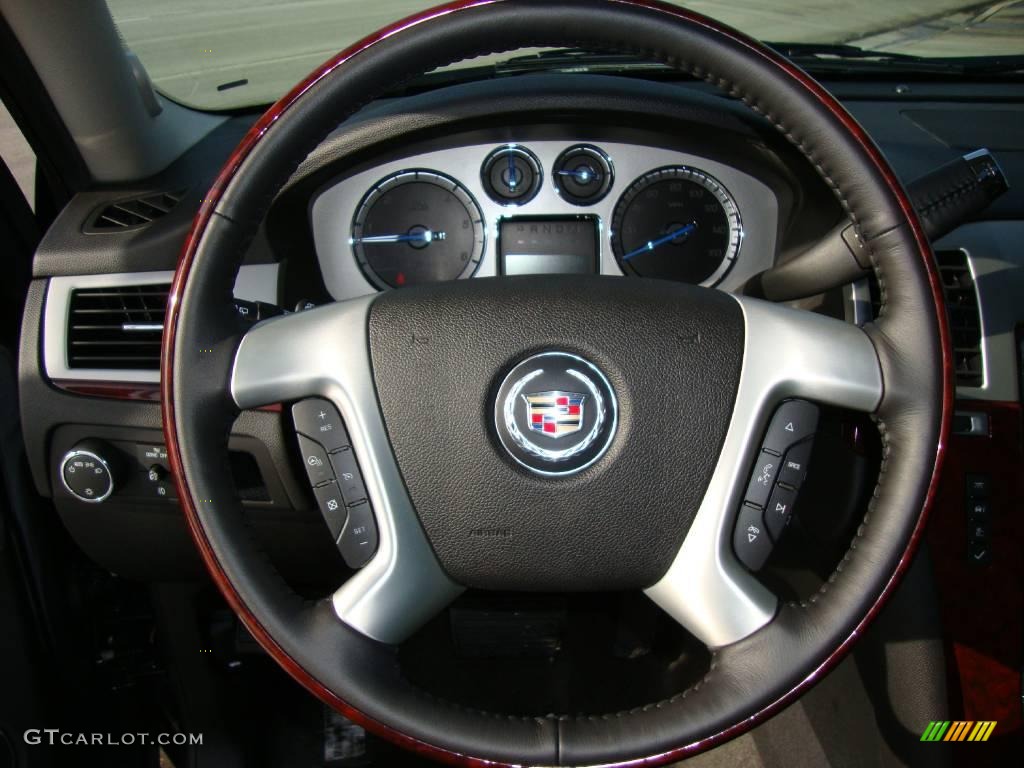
x,y
963,313
132,213
97,337
964,317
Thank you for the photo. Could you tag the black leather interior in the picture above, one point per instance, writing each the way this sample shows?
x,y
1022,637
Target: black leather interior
x,y
745,679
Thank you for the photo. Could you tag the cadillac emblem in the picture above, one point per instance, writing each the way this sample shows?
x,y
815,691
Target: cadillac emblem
x,y
555,413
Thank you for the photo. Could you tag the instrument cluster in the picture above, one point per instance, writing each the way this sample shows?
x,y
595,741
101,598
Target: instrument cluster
x,y
543,207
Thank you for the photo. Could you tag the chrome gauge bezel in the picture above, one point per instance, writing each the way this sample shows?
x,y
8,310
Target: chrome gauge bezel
x,y
698,176
527,157
408,176
601,158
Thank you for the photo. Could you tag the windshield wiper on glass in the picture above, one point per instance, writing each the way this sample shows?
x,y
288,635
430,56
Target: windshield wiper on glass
x,y
574,60
839,58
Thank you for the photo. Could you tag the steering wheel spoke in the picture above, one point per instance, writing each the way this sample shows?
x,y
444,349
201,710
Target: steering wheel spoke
x,y
323,352
788,354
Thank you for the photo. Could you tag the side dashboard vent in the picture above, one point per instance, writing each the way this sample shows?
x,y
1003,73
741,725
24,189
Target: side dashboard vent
x,y
117,328
132,213
964,317
962,310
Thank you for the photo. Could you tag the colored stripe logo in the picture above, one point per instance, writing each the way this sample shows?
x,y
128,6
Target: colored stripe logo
x,y
958,730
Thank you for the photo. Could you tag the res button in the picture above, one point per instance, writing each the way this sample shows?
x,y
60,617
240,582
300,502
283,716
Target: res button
x,y
317,418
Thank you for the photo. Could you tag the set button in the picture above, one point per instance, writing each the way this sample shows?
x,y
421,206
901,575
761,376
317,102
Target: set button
x,y
358,540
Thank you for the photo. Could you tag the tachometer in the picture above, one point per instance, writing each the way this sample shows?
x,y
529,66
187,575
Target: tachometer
x,y
417,227
676,223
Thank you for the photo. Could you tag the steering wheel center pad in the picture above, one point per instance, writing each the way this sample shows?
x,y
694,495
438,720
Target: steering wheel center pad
x,y
748,680
672,354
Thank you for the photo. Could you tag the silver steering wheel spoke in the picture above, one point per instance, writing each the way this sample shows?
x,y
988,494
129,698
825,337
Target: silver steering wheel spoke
x,y
788,354
324,352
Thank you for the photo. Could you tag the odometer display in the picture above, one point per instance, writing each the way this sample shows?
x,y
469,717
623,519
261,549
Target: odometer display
x,y
417,227
676,223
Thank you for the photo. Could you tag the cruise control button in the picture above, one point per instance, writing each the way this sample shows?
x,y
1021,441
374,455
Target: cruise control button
x,y
794,420
332,507
794,465
319,419
351,481
761,480
750,538
314,459
358,541
779,510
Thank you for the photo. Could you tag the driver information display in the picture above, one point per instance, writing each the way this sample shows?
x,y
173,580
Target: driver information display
x,y
548,246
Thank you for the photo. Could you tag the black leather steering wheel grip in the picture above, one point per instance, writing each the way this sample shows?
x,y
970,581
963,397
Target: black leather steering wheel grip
x,y
897,369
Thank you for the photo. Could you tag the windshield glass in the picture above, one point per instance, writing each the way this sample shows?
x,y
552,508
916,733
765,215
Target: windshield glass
x,y
225,54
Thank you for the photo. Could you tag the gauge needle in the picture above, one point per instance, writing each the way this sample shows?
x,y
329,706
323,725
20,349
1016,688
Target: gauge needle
x,y
582,175
652,244
511,171
425,236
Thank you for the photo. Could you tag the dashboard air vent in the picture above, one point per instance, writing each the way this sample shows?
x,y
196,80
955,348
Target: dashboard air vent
x,y
962,309
964,318
117,328
132,213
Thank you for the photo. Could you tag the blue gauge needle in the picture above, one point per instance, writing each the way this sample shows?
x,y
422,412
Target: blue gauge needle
x,y
511,171
582,175
426,236
652,244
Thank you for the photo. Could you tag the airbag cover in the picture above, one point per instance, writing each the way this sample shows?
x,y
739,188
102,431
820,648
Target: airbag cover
x,y
672,354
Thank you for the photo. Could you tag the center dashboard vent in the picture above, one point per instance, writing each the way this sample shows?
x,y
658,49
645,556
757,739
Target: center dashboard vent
x,y
132,213
117,328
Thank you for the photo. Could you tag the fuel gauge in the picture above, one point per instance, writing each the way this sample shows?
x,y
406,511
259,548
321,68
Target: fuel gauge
x,y
417,227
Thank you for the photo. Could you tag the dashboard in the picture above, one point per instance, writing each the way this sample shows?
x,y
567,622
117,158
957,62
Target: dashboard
x,y
539,174
574,205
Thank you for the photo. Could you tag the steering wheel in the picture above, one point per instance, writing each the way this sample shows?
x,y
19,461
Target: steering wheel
x,y
683,381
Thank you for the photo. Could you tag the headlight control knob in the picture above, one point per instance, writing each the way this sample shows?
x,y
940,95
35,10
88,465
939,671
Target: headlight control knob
x,y
86,473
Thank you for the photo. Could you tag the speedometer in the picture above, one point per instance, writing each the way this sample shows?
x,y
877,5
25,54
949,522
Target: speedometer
x,y
417,227
676,223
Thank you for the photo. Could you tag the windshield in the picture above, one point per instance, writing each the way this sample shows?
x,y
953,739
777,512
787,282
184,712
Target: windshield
x,y
227,54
